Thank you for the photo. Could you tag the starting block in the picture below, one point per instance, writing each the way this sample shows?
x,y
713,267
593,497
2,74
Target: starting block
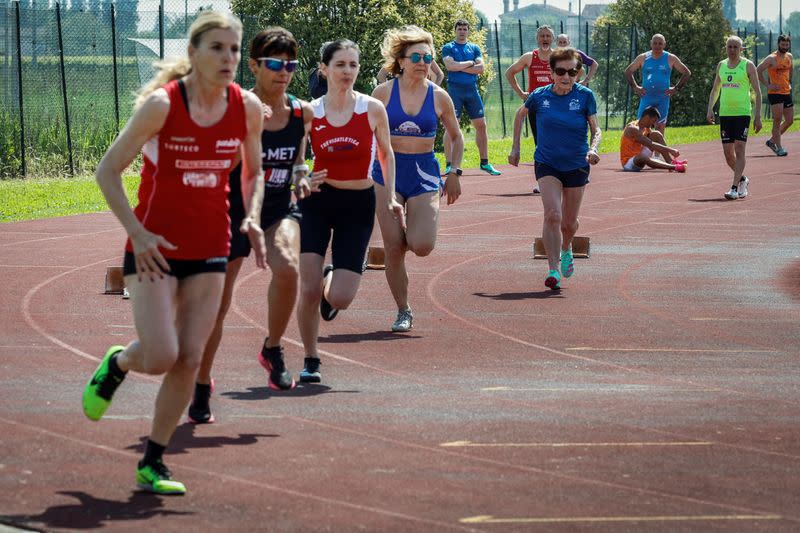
x,y
580,248
115,281
376,258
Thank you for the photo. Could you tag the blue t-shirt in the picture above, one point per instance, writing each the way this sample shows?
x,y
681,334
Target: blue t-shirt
x,y
461,52
562,126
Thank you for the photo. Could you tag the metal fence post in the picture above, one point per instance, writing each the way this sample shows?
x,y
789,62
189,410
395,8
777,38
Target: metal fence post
x,y
21,107
588,51
608,69
114,54
64,89
561,27
500,79
755,34
521,52
161,29
628,89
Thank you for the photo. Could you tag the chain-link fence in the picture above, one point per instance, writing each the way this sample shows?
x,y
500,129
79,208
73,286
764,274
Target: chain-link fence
x,y
68,76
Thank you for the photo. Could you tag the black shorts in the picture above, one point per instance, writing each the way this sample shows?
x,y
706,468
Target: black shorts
x,y
181,268
349,215
276,207
734,128
569,178
785,99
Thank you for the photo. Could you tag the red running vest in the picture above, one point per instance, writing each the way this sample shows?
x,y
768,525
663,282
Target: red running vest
x,y
348,151
183,195
539,73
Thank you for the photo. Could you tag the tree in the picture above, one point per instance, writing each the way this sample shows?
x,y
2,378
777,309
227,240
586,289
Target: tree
x,y
792,25
729,9
314,22
695,31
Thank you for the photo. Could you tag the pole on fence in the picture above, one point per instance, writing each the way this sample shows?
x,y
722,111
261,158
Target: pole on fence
x,y
588,52
500,79
21,107
161,29
579,30
522,51
608,69
64,89
561,27
114,55
628,88
755,33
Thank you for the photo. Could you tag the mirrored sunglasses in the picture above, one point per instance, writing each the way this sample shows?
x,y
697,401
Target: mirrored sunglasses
x,y
571,71
416,57
275,64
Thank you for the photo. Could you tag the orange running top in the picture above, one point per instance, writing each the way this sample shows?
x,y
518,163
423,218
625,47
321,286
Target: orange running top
x,y
779,75
629,147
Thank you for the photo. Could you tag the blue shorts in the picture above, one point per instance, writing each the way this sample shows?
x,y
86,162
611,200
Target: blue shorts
x,y
415,174
466,96
660,102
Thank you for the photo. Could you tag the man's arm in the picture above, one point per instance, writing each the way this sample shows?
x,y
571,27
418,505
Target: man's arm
x,y
766,63
630,70
518,66
712,98
678,65
753,75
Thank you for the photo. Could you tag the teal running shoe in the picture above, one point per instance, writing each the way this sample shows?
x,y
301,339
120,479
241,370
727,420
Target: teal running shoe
x,y
100,389
490,169
157,478
567,263
553,280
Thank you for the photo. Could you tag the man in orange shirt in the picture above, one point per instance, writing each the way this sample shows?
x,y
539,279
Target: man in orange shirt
x,y
640,142
778,66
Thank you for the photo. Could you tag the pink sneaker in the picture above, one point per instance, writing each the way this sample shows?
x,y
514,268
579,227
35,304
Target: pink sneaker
x,y
680,166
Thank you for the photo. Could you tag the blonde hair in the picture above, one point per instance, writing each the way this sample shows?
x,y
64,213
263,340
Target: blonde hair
x,y
172,69
396,42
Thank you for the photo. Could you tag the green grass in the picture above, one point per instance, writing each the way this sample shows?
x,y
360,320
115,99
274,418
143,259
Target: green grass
x,y
42,198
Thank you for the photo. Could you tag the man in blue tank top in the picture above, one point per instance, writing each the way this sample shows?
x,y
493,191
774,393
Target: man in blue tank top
x,y
656,89
464,63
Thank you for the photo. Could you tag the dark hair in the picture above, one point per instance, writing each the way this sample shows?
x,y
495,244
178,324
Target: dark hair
x,y
783,37
651,111
461,22
565,54
275,40
335,46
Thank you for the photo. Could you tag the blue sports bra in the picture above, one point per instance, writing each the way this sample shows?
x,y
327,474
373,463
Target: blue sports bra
x,y
423,124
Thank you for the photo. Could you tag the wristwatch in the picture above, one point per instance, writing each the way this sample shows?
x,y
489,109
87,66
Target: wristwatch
x,y
457,171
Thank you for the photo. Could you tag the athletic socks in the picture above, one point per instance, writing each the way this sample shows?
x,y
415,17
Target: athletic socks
x,y
153,453
484,161
114,369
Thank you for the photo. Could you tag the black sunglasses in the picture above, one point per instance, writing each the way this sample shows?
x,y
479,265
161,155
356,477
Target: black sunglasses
x,y
571,71
275,64
416,57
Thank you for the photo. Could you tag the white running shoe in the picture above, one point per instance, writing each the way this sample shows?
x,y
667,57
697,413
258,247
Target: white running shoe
x,y
404,322
744,181
732,194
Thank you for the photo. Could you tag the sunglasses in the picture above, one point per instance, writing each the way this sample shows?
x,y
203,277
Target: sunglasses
x,y
276,65
571,71
416,57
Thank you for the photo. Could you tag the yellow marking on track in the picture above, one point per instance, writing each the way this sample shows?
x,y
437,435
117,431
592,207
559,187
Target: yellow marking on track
x,y
668,350
489,519
470,444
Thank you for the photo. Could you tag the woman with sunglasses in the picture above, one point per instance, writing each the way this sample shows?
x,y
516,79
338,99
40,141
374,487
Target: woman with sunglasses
x,y
563,110
191,123
415,106
346,129
273,60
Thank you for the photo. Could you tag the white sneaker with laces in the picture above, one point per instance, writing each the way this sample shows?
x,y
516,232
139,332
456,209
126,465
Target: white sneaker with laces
x,y
404,322
732,194
744,181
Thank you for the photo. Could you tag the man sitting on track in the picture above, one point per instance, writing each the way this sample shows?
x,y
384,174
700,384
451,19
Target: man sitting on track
x,y
640,142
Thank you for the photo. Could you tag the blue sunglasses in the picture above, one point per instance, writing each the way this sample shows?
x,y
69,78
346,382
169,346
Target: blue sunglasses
x,y
416,57
275,64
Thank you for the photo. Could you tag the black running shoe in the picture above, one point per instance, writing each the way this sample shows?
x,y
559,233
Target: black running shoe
x,y
272,361
311,374
199,410
325,309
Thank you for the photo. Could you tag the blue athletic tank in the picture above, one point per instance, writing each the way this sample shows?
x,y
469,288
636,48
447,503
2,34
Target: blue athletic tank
x,y
656,74
423,124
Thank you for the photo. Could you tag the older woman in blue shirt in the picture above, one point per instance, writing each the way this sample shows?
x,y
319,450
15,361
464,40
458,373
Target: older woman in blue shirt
x,y
564,110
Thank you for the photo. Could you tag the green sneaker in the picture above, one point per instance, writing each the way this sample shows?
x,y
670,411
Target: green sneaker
x,y
98,392
158,479
490,169
567,263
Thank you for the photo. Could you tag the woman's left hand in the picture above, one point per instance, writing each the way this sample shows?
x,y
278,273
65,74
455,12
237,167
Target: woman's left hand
x,y
396,208
256,236
592,157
